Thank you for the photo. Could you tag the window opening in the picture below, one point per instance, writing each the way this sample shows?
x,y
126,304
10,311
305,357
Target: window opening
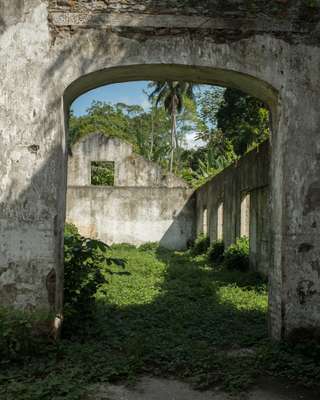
x,y
245,216
205,222
102,173
220,222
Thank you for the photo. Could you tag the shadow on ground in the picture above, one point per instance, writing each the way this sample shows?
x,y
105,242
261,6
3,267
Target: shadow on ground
x,y
175,316
170,317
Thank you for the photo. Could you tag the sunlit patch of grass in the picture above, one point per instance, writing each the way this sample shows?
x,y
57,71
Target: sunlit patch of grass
x,y
141,285
243,299
167,314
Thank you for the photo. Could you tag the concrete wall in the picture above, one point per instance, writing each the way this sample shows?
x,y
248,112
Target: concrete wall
x,y
145,204
130,169
53,51
243,190
133,215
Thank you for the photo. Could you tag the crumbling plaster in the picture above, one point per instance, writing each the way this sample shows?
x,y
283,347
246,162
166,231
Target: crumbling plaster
x,y
146,203
130,169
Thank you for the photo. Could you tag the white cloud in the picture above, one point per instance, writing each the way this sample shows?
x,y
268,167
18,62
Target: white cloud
x,y
145,104
191,143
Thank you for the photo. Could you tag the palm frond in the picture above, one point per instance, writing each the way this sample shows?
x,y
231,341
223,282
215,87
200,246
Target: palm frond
x,y
168,103
163,94
159,86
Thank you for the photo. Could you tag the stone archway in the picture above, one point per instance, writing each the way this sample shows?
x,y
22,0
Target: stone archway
x,y
197,74
70,51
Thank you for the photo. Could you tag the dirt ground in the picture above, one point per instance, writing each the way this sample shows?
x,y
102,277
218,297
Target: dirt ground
x,y
166,389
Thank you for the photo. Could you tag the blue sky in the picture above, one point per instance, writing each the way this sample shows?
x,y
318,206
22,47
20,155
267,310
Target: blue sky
x,y
128,92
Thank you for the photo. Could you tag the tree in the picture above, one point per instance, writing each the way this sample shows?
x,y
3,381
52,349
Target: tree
x,y
244,120
227,122
147,130
203,163
112,120
171,95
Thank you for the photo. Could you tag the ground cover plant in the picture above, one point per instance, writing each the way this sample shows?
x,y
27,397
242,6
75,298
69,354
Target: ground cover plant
x,y
236,256
169,314
200,245
86,267
215,252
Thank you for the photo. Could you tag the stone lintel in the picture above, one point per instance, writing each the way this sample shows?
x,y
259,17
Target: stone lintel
x,y
115,20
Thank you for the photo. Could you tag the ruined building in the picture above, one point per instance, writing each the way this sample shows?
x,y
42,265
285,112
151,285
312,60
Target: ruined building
x,y
52,51
142,204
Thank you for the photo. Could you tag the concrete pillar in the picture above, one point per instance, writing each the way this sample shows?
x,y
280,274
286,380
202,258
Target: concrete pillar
x,y
260,230
295,204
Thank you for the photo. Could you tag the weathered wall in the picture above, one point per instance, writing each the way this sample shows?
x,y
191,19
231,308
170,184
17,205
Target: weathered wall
x,y
133,215
250,175
53,51
130,169
260,229
145,204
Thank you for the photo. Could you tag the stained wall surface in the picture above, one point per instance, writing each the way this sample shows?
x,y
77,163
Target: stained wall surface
x,y
134,215
242,188
130,169
51,51
145,204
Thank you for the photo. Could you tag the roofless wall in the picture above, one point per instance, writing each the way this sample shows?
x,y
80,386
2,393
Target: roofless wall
x,y
142,203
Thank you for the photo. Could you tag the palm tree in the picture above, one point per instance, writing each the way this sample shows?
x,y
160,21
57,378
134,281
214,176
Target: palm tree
x,y
172,94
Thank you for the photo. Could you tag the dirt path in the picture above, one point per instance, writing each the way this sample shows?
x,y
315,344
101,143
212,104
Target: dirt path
x,y
165,389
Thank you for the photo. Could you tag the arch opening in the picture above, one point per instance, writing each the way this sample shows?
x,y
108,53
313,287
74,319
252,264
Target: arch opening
x,y
174,72
207,76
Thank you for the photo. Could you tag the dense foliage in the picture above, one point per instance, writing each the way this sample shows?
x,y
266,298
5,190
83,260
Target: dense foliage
x,y
102,173
172,95
86,266
173,315
200,245
215,252
22,333
148,131
236,257
243,119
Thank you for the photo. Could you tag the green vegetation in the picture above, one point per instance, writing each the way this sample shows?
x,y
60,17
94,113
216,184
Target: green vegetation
x,y
102,173
86,268
243,119
227,124
215,252
312,3
200,245
167,314
172,95
236,257
21,334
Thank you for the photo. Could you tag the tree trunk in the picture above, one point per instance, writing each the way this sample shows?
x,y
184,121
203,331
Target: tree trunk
x,y
173,127
152,135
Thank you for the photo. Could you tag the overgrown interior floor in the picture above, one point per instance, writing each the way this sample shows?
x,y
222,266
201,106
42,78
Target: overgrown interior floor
x,y
167,314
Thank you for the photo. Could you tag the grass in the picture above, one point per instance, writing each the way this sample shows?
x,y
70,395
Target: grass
x,y
169,315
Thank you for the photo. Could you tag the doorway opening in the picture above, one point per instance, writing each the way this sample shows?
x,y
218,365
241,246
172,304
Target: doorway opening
x,y
164,168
